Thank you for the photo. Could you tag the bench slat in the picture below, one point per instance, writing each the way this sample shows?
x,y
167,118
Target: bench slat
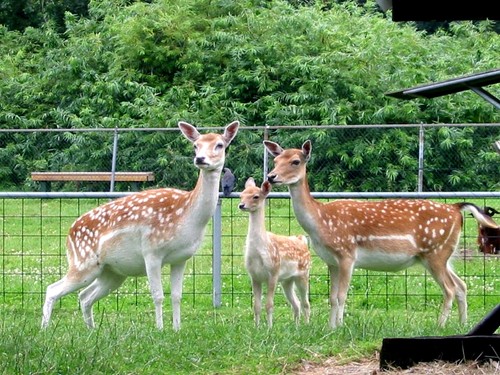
x,y
92,176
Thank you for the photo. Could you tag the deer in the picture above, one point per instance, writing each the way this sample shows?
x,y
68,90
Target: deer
x,y
138,234
272,258
388,235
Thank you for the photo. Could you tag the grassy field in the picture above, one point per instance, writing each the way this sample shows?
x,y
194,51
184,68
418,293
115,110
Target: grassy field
x,y
212,340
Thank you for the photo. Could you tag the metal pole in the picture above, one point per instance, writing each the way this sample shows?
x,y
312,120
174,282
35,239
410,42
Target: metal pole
x,y
217,256
113,160
486,96
489,324
266,137
421,145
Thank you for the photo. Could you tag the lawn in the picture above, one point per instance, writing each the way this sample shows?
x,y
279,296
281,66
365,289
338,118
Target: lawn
x,y
213,340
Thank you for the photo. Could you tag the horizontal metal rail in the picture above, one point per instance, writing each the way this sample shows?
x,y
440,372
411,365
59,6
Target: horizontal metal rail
x,y
318,195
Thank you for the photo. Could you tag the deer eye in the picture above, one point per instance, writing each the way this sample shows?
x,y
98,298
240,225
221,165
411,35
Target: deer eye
x,y
219,146
255,197
295,162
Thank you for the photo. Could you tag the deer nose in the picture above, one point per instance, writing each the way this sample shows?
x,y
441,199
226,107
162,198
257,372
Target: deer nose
x,y
241,206
271,178
199,160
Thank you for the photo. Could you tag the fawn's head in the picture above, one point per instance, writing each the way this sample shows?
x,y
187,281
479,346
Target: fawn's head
x,y
290,164
210,149
253,197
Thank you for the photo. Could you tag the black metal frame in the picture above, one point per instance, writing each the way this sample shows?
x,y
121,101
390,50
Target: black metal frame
x,y
474,82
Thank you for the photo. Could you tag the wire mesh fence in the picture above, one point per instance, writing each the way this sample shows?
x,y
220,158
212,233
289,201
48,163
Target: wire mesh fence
x,y
345,159
33,255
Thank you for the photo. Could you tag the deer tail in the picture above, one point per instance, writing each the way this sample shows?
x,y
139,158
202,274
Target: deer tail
x,y
479,214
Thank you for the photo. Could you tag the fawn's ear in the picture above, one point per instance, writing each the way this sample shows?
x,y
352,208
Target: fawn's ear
x,y
230,131
189,131
250,182
265,188
273,148
306,149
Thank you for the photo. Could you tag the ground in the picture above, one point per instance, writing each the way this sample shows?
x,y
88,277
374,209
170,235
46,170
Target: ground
x,y
370,366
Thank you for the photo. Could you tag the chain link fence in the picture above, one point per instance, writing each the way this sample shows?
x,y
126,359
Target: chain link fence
x,y
368,158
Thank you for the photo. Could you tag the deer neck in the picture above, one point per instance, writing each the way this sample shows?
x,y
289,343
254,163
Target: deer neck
x,y
305,207
205,195
257,227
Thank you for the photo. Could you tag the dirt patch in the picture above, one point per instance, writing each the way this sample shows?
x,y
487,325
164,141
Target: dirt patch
x,y
370,366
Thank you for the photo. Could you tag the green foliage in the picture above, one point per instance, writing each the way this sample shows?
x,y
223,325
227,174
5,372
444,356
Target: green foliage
x,y
135,64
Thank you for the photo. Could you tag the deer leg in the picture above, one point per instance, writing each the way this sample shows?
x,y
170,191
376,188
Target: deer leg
x,y
302,284
176,279
340,278
271,289
61,288
257,301
461,296
441,273
345,274
153,271
292,298
106,283
334,291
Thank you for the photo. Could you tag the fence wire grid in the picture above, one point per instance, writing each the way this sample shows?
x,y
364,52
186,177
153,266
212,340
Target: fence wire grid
x,y
33,229
33,255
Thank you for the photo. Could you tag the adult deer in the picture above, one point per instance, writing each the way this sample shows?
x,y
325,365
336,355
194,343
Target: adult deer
x,y
388,235
271,258
138,234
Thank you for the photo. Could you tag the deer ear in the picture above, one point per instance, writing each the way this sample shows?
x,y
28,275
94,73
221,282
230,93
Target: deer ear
x,y
250,182
230,131
306,149
266,188
189,131
273,148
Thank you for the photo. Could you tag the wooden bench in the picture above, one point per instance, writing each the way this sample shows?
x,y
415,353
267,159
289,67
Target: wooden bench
x,y
45,178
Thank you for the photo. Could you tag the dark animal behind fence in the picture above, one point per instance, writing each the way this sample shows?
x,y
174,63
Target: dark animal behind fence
x,y
488,239
228,182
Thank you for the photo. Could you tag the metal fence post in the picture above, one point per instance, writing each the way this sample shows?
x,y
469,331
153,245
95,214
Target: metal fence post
x,y
265,156
217,256
113,160
421,146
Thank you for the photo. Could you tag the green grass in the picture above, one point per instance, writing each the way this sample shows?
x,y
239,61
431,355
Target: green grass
x,y
212,340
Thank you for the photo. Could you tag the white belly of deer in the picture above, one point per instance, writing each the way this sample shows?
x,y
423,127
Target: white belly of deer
x,y
377,259
131,261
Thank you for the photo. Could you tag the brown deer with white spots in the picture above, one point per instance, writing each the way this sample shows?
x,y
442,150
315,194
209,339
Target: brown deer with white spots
x,y
271,258
140,233
388,235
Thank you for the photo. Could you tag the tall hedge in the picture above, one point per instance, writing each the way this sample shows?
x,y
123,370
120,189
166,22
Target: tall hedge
x,y
150,64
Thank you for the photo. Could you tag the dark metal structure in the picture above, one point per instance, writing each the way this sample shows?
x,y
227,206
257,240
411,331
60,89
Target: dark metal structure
x,y
475,82
480,344
441,10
